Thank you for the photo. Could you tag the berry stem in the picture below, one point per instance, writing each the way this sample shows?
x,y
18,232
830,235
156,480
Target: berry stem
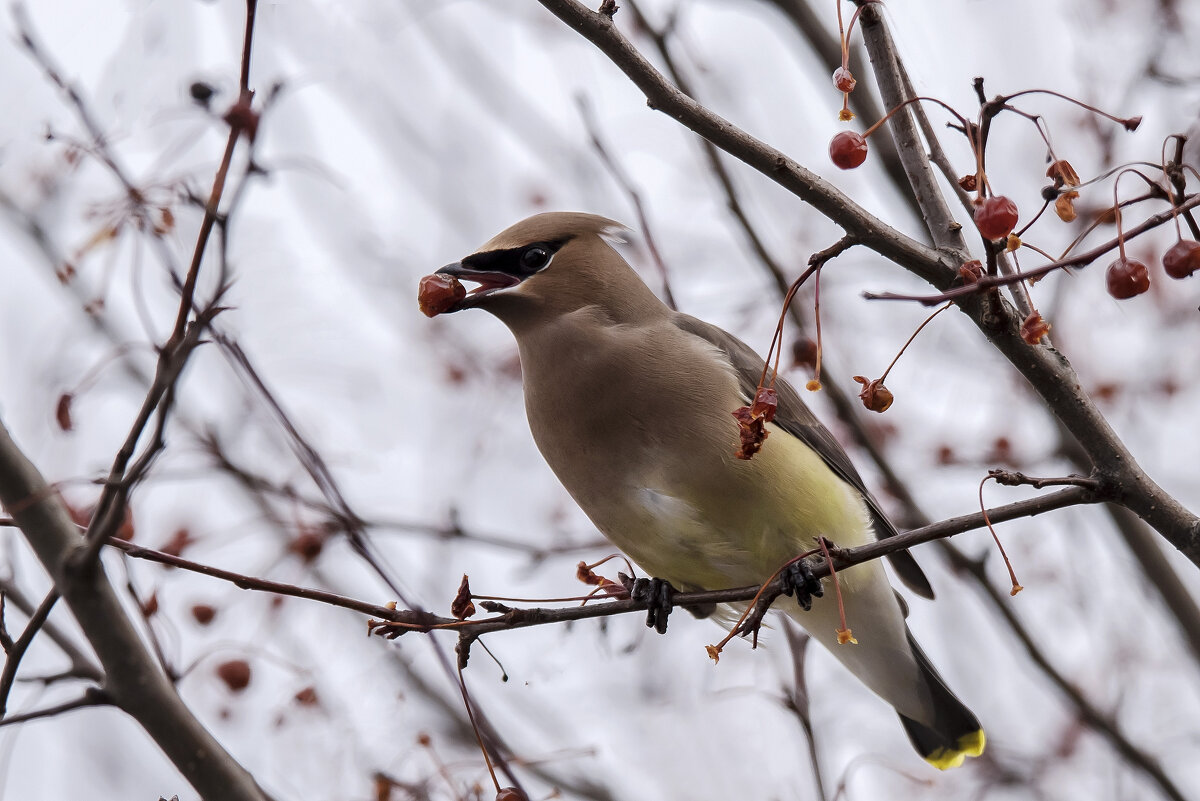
x,y
1012,575
1130,123
904,347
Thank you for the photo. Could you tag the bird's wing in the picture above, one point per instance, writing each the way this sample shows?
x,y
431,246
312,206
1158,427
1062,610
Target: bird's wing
x,y
794,417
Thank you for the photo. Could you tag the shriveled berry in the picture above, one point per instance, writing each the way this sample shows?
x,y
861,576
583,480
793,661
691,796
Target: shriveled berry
x,y
1033,328
439,293
848,149
875,396
1127,278
844,80
995,217
1182,259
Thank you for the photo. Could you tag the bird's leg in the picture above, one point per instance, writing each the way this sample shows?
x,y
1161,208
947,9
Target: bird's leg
x,y
658,595
798,578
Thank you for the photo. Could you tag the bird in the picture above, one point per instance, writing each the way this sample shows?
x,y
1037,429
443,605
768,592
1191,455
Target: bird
x,y
631,404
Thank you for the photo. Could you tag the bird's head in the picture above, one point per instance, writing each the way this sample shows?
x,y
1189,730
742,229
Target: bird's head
x,y
552,264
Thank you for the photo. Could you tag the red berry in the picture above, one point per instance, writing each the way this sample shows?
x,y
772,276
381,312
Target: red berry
x,y
235,673
1127,278
843,79
439,293
848,149
995,217
1182,259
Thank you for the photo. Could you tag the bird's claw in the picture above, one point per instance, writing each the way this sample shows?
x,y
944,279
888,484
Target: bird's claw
x,y
798,578
659,596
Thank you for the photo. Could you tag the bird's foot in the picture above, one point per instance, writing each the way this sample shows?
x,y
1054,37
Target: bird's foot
x,y
798,578
659,596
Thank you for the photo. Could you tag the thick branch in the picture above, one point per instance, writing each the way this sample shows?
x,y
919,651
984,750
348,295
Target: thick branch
x,y
803,183
945,230
133,680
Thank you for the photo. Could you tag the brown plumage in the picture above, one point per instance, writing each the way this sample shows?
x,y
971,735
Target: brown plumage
x,y
631,405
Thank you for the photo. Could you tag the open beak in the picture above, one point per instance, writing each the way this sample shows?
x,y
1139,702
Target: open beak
x,y
489,282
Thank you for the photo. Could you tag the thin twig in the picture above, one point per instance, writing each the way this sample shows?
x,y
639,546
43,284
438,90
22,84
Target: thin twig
x,y
14,654
93,696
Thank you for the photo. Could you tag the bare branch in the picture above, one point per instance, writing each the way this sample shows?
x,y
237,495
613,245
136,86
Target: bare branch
x,y
93,696
133,679
82,666
1093,717
842,558
246,582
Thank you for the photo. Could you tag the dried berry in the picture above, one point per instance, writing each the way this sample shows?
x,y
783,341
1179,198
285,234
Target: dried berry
x,y
306,697
844,80
1033,328
439,293
62,411
848,149
971,271
125,530
180,540
1064,206
752,432
1127,278
461,607
1063,174
201,92
243,118
804,353
308,543
203,614
875,396
235,673
995,217
969,183
1182,259
766,401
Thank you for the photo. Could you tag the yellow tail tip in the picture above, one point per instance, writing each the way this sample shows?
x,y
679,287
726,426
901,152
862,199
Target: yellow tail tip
x,y
969,745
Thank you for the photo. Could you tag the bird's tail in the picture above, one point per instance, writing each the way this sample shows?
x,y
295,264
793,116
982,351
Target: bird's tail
x,y
955,732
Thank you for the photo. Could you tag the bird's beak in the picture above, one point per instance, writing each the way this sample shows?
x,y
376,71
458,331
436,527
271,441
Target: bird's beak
x,y
489,281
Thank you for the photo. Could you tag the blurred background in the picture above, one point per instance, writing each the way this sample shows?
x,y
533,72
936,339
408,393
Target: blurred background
x,y
398,137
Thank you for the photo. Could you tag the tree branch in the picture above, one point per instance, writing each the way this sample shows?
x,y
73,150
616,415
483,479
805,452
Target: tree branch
x,y
842,558
133,679
803,183
945,230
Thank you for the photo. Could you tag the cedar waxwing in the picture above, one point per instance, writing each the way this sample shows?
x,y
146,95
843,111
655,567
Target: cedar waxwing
x,y
632,405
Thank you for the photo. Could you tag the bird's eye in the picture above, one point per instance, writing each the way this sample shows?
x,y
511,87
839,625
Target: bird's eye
x,y
535,258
